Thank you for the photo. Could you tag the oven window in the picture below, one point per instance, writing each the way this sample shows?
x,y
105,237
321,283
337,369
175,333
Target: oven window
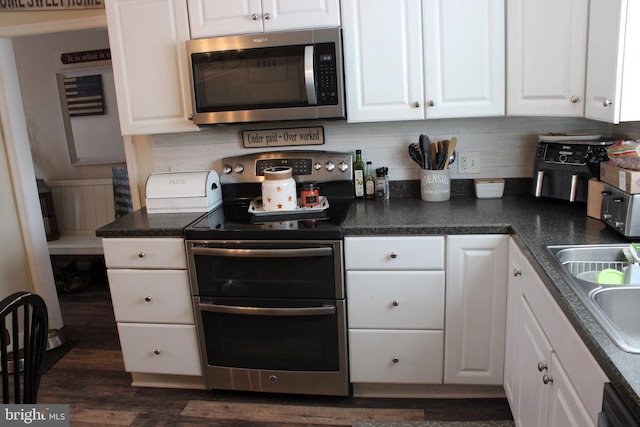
x,y
287,342
249,79
251,272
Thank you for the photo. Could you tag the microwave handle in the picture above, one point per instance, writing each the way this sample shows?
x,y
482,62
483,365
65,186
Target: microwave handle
x,y
309,75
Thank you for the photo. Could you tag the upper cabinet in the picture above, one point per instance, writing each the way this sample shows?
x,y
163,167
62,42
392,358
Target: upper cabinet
x,y
211,18
613,87
150,70
383,60
546,56
454,48
464,58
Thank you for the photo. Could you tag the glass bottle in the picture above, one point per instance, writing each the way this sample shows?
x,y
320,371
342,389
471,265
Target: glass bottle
x,y
369,183
358,175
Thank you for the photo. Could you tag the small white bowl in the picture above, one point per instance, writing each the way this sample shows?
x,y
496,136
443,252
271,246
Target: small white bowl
x,y
489,188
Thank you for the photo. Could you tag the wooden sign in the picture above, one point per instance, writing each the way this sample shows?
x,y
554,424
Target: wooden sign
x,y
283,137
31,5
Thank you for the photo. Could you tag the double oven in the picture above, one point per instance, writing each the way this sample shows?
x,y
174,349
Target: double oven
x,y
268,290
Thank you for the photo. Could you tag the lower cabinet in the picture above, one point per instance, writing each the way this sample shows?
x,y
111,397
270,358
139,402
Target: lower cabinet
x,y
151,297
551,379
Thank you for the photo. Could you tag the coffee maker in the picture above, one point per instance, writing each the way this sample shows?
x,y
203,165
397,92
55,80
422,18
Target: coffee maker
x,y
563,166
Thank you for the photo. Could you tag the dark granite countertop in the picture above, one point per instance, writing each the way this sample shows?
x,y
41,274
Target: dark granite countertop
x,y
534,224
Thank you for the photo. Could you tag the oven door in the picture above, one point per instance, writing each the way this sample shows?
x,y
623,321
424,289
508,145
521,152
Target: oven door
x,y
258,269
273,345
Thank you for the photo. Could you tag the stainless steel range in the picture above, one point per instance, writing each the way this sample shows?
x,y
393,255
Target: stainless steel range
x,y
268,287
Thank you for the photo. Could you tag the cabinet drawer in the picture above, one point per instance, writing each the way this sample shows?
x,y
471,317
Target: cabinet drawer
x,y
166,253
395,299
155,296
409,357
394,253
160,349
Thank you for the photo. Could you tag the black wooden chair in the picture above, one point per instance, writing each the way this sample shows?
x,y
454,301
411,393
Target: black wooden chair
x,y
24,320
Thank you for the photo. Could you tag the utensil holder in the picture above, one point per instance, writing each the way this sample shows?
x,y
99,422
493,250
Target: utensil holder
x,y
435,185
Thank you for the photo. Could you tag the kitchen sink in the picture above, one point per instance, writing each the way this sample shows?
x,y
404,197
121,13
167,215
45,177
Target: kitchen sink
x,y
615,307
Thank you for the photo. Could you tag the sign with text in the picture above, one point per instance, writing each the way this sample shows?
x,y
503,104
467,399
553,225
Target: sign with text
x,y
86,56
29,5
283,137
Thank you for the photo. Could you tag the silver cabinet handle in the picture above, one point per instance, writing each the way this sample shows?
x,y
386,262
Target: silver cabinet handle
x,y
147,298
547,379
395,359
417,104
156,351
393,255
395,303
541,367
141,254
574,99
516,272
254,17
267,16
606,102
431,103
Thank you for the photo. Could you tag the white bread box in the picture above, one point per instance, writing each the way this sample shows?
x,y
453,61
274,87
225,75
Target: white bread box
x,y
180,192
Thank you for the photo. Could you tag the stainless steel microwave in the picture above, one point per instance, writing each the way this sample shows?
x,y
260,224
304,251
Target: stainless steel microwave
x,y
294,75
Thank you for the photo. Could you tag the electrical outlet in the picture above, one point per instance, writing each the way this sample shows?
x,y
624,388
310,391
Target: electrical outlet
x,y
468,162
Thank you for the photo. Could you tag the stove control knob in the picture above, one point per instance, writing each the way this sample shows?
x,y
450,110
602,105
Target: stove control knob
x,y
226,169
343,166
239,168
317,166
619,225
330,166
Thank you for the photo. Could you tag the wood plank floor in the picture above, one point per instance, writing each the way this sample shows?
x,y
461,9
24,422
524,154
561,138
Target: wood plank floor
x,y
91,379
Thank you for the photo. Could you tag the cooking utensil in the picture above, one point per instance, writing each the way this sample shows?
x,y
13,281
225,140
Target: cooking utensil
x,y
416,154
441,156
451,152
424,144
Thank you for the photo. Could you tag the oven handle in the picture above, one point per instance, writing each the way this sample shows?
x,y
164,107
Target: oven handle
x,y
262,311
261,253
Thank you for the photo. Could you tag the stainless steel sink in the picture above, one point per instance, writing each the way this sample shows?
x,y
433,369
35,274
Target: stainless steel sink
x,y
615,307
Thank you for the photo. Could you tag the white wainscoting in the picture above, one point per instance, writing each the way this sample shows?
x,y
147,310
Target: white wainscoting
x,y
505,146
81,206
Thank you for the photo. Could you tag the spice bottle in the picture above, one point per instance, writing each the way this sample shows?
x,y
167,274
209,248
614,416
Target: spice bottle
x,y
358,175
381,193
369,183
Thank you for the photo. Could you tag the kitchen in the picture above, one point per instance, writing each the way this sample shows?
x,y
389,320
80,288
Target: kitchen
x,y
504,153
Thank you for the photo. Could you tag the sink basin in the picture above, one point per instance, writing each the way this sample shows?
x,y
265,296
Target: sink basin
x,y
615,307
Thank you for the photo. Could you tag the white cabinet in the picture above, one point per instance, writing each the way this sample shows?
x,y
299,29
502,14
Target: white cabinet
x,y
395,300
211,18
546,56
150,69
464,58
546,361
613,89
152,303
383,64
476,309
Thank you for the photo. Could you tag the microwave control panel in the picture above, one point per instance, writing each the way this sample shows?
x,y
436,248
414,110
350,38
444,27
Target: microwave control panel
x,y
326,70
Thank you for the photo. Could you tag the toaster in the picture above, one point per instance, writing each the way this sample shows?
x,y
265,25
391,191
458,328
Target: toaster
x,y
621,210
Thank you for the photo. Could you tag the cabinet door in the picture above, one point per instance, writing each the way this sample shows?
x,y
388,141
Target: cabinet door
x,y
464,58
476,306
212,18
280,15
383,60
150,69
565,407
546,57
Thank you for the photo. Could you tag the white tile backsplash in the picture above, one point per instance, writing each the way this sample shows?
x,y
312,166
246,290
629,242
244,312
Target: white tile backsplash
x,y
505,145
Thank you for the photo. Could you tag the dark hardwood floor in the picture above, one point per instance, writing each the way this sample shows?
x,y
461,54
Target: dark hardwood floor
x,y
91,379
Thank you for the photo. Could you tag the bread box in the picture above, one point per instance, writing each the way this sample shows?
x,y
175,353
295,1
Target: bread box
x,y
181,192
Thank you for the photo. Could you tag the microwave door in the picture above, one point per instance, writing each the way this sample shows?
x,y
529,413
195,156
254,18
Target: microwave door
x,y
309,76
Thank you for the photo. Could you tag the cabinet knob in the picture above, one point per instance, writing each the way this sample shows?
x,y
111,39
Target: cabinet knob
x,y
416,104
516,272
141,254
156,351
431,103
190,117
395,303
547,379
254,17
395,359
267,16
542,367
606,102
393,255
574,99
147,298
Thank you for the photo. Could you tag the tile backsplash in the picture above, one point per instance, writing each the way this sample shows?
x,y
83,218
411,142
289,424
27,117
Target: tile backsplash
x,y
505,146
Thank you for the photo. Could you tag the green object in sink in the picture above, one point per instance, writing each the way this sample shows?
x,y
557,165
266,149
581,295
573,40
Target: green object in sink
x,y
610,276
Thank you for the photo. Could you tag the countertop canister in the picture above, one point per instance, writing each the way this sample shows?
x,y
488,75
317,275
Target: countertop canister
x,y
279,190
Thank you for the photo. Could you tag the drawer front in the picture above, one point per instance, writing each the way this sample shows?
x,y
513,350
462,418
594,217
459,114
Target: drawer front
x,y
160,349
166,253
153,296
394,253
407,357
395,299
